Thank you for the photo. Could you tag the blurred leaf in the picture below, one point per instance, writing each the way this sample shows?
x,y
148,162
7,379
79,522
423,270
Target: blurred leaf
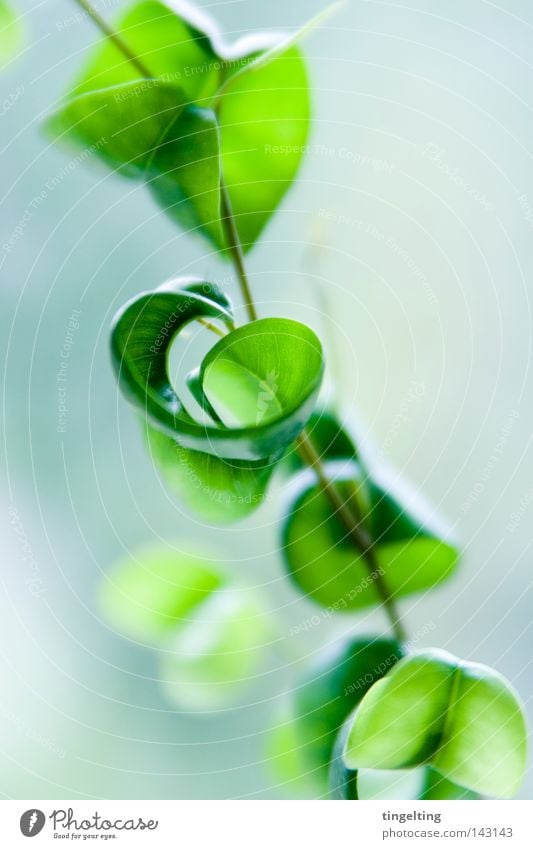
x,y
151,592
168,44
123,124
218,490
11,33
321,557
184,172
264,120
236,375
285,761
330,439
215,655
333,686
461,718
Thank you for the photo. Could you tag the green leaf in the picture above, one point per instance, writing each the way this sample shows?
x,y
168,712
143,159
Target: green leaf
x,y
342,779
263,111
11,33
123,124
380,784
184,172
285,762
321,557
437,787
210,660
269,370
333,686
151,592
218,490
264,118
241,364
170,45
462,719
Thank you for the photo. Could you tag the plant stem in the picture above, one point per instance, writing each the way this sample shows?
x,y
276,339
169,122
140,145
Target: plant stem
x,y
305,445
113,36
355,529
235,249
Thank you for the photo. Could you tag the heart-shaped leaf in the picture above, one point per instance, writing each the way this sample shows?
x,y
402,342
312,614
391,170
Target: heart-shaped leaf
x,y
262,379
461,718
321,557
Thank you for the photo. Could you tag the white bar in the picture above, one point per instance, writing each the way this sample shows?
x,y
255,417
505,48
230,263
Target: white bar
x,y
272,825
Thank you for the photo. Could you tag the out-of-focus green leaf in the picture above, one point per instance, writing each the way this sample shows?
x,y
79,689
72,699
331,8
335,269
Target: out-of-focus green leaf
x,y
11,33
322,560
218,490
333,686
151,592
167,43
286,763
217,653
463,719
122,125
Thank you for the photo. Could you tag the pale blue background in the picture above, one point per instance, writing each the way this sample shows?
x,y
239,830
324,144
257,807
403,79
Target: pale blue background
x,y
423,127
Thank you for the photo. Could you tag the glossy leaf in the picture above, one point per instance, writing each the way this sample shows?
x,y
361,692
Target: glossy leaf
x,y
151,592
262,109
123,124
142,334
264,125
215,655
218,490
321,557
461,718
333,686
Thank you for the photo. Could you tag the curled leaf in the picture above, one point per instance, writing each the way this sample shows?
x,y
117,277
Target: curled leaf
x,y
262,380
462,719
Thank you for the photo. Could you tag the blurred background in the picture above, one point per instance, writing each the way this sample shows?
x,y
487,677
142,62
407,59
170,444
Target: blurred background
x,y
406,243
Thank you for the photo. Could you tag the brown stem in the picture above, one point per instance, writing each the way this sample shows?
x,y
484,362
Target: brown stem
x,y
113,36
235,249
354,528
